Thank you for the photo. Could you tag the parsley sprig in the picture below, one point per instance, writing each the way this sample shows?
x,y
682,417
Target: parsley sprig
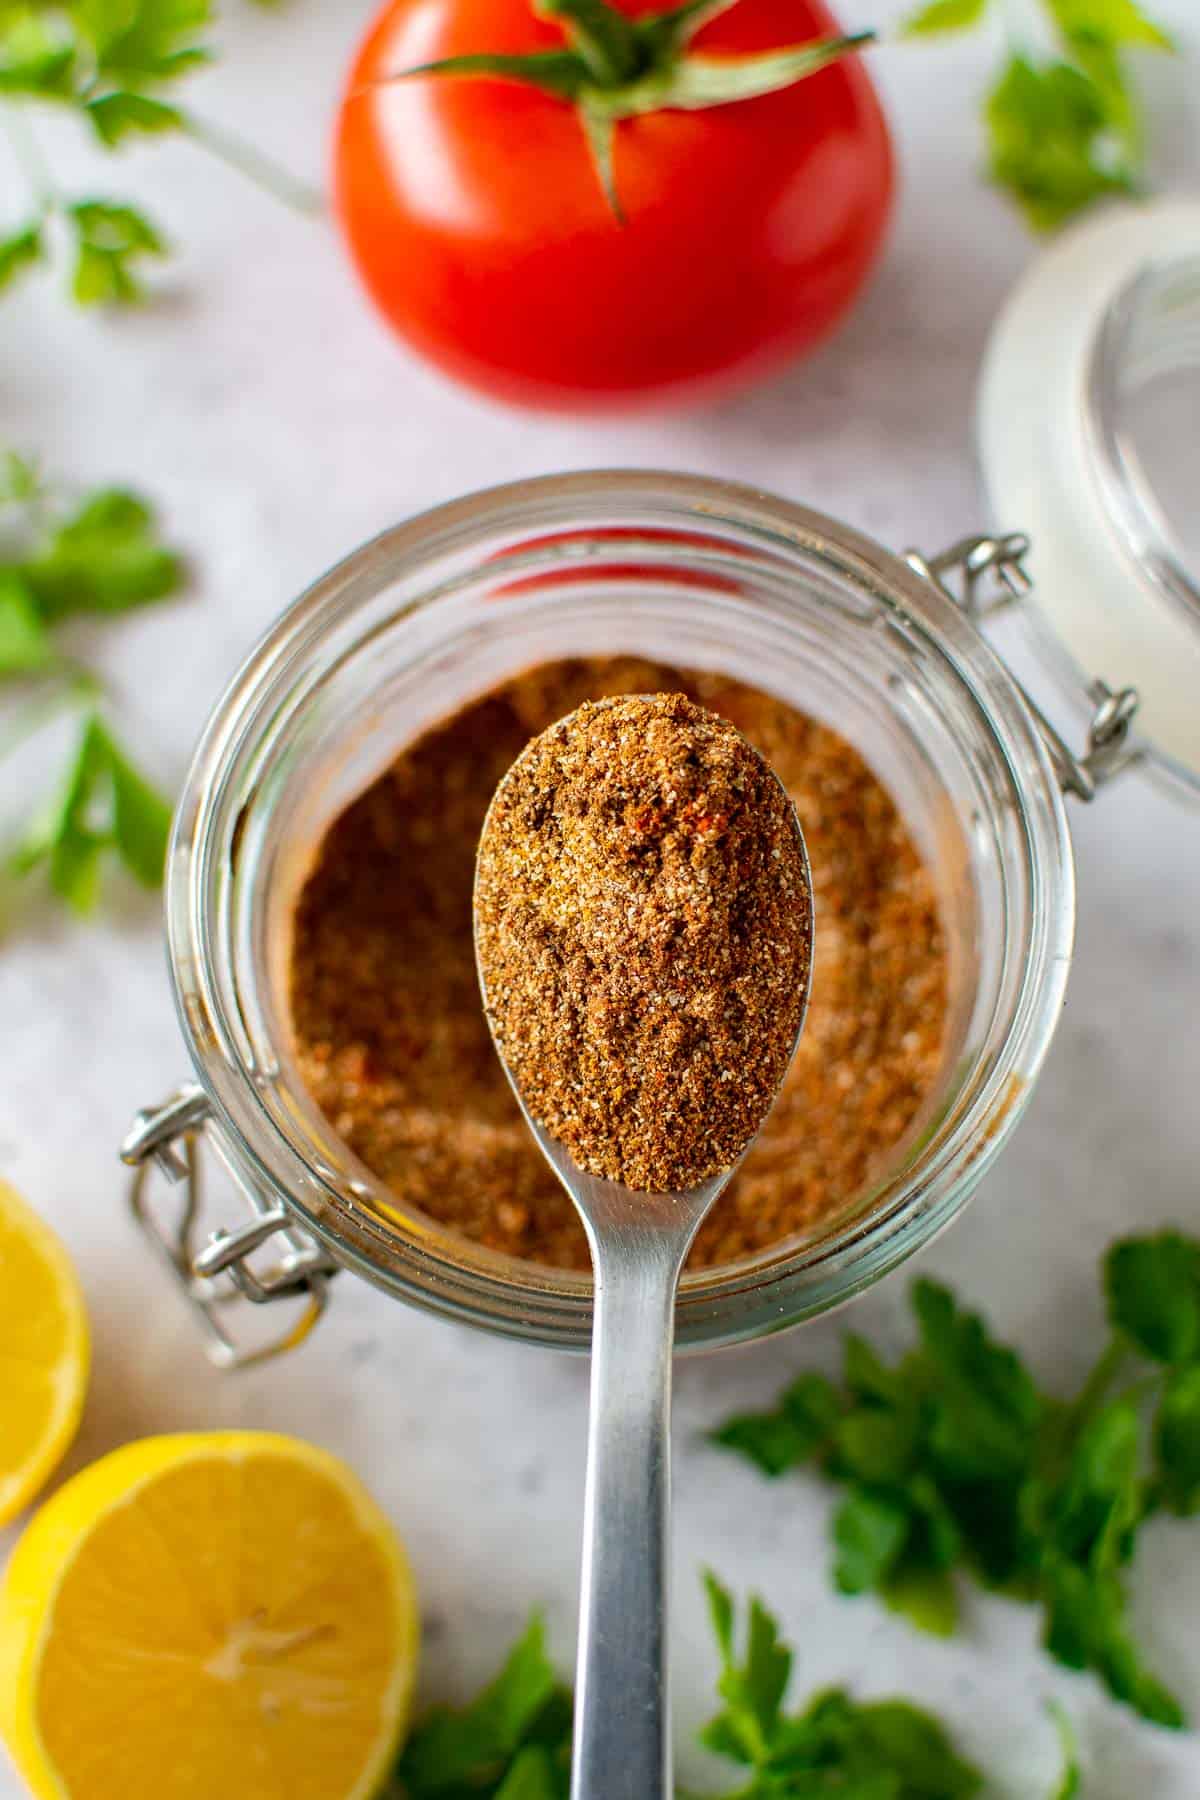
x,y
117,65
99,556
839,1747
1063,122
514,1741
953,1457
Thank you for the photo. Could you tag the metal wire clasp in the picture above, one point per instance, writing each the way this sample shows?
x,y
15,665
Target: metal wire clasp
x,y
216,1278
991,574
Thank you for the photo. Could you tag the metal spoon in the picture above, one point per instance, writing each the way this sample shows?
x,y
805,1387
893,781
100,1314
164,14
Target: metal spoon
x,y
622,1747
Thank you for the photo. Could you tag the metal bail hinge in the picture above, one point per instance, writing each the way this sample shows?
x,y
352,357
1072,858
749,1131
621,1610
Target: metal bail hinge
x,y
991,571
991,574
216,1278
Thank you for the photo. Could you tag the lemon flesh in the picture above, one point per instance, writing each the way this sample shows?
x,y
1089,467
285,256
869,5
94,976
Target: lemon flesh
x,y
43,1352
213,1615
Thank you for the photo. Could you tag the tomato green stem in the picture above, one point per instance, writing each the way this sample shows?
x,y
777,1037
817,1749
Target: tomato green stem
x,y
599,130
666,33
561,73
605,39
620,68
694,82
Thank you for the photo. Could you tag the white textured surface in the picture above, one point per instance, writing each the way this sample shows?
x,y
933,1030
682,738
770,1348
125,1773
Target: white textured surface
x,y
278,426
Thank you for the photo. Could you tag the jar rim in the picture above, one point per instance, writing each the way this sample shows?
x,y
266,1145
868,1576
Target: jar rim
x,y
717,1306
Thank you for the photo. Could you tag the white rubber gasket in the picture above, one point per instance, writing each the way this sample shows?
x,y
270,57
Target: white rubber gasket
x,y
1100,606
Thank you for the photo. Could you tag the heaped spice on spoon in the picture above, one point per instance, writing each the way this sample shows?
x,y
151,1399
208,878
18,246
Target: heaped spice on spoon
x,y
643,922
389,1034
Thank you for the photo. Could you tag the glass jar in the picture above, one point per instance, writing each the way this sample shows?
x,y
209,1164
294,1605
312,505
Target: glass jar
x,y
426,618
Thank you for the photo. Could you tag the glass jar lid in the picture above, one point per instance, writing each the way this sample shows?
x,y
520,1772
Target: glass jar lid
x,y
1089,441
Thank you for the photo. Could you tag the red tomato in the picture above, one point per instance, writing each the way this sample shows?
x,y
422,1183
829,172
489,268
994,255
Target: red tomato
x,y
476,219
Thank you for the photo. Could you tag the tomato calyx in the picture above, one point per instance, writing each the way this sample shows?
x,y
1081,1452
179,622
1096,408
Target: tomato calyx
x,y
617,68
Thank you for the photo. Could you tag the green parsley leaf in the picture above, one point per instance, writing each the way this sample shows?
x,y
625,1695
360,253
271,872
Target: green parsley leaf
x,y
720,1613
988,1514
62,835
1177,1440
1110,23
942,16
870,1531
110,240
986,1408
20,251
760,1684
1055,141
1063,128
20,481
25,646
145,41
141,818
876,1445
953,1456
914,1745
106,59
117,116
1127,1679
1153,1290
769,1440
456,1749
752,1689
102,556
1085,1627
812,1405
885,1750
927,1598
962,1347
835,1749
105,557
533,1776
37,56
869,1378
781,1440
882,1784
935,1541
103,804
1096,1507
1088,1531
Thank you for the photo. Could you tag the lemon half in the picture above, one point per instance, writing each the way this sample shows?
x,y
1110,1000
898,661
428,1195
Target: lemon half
x,y
43,1352
218,1616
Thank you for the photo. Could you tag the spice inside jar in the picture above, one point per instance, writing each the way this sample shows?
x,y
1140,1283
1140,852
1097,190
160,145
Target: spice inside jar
x,y
642,926
388,1028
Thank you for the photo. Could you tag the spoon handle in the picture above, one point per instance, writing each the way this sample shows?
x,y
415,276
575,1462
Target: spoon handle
x,y
622,1717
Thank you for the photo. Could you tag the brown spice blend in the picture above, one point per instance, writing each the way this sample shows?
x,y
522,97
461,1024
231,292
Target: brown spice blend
x,y
643,925
389,1032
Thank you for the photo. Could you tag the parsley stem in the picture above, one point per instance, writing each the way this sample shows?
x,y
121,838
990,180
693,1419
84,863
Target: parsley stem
x,y
28,154
248,161
1098,1382
34,717
1016,24
1142,1390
